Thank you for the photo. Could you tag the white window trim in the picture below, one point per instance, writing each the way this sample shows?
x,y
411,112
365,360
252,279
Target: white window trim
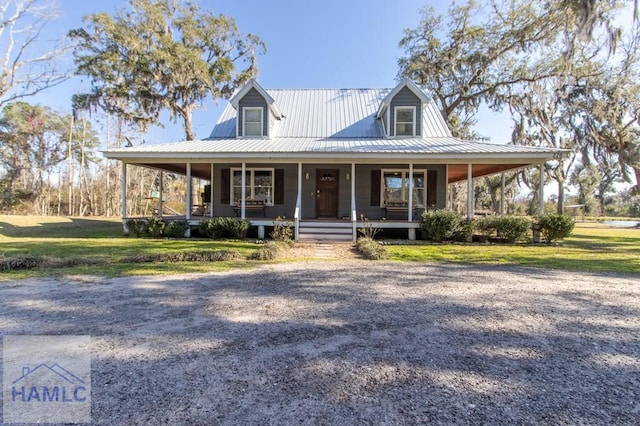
x,y
395,120
405,175
251,182
244,121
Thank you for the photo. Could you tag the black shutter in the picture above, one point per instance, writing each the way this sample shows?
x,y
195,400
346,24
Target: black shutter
x,y
278,187
225,186
375,188
432,188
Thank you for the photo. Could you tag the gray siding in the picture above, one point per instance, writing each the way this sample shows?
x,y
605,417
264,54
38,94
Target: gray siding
x,y
363,189
405,98
253,99
363,184
290,190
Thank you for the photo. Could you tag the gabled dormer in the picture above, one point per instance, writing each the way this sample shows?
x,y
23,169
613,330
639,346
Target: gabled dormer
x,y
401,111
256,111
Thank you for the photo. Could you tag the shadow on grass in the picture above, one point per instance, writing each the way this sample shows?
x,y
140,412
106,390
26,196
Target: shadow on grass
x,y
65,228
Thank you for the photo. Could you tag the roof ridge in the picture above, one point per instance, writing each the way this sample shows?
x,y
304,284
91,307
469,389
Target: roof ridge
x,y
332,88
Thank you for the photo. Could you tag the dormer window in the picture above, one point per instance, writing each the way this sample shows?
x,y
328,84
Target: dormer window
x,y
405,120
252,121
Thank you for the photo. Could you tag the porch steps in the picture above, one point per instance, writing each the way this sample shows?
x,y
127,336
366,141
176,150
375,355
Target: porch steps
x,y
325,231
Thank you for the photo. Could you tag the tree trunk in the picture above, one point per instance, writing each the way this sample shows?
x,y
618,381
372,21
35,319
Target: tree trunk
x,y
188,131
636,172
560,209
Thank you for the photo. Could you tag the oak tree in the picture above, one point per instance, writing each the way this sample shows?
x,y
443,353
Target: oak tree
x,y
162,55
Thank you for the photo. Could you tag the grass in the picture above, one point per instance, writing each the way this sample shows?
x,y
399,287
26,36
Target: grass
x,y
591,248
100,240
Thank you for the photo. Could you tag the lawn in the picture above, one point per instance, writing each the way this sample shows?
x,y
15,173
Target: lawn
x,y
592,247
100,241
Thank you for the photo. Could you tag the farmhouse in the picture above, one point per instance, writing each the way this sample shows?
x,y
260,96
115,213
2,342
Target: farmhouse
x,y
326,159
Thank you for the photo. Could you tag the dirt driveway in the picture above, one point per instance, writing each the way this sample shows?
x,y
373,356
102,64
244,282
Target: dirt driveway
x,y
349,343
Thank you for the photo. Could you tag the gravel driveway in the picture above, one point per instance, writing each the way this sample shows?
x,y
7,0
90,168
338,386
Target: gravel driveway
x,y
352,342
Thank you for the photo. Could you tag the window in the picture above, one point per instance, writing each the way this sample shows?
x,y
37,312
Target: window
x,y
258,184
252,118
395,187
405,120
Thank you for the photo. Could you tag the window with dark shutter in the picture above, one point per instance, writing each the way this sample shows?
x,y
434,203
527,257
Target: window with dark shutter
x,y
278,192
375,188
225,185
432,188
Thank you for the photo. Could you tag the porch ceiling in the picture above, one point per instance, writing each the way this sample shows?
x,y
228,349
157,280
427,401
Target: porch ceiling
x,y
457,172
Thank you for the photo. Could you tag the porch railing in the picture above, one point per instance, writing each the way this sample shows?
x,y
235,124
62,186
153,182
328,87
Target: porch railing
x,y
296,219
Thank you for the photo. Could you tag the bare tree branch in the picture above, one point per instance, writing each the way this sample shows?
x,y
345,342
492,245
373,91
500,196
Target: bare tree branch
x,y
28,66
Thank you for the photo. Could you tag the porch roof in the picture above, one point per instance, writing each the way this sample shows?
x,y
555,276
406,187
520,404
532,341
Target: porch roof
x,y
447,149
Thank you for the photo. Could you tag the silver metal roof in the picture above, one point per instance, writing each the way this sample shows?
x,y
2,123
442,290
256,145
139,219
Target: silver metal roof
x,y
332,123
331,113
264,146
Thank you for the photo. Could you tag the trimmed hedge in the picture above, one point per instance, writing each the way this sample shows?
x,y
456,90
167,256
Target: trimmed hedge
x,y
443,225
224,227
507,228
554,226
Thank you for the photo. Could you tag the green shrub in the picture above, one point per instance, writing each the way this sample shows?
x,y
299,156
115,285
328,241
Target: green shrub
x,y
156,227
139,227
512,228
554,226
282,230
175,229
486,226
464,230
207,228
224,227
440,225
371,249
234,227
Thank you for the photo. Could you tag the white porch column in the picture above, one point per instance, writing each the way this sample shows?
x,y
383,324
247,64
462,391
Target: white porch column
x,y
411,231
125,228
298,208
211,192
541,191
502,190
243,192
299,195
187,231
410,213
447,202
354,214
189,192
161,190
470,191
353,187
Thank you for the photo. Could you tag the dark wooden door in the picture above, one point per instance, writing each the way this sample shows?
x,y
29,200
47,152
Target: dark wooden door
x,y
327,193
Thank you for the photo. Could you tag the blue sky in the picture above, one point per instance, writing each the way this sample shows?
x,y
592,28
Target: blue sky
x,y
310,44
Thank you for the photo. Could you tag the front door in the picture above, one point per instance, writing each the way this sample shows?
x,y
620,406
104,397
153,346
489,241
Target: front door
x,y
327,193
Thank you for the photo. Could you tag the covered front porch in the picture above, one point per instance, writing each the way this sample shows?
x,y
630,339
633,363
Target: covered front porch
x,y
324,200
